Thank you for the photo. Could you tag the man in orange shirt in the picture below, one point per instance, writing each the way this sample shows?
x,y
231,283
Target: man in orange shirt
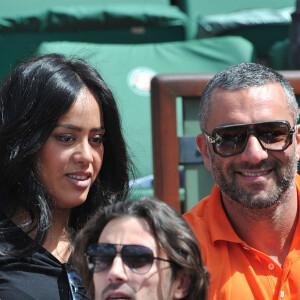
x,y
248,227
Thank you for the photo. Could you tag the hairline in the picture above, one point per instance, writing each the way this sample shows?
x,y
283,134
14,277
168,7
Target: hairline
x,y
225,80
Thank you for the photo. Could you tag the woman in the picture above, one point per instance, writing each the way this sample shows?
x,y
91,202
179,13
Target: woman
x,y
62,156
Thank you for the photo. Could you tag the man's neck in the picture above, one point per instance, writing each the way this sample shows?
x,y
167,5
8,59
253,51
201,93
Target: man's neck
x,y
269,230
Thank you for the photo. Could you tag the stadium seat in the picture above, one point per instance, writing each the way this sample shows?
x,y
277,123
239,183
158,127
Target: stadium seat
x,y
262,27
201,8
24,27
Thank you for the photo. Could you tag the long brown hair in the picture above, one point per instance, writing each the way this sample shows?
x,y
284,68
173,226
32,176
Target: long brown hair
x,y
171,231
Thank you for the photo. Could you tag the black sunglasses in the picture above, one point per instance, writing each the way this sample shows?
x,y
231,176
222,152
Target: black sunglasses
x,y
138,258
231,140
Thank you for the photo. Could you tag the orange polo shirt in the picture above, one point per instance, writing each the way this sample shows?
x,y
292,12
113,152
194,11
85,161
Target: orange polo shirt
x,y
238,271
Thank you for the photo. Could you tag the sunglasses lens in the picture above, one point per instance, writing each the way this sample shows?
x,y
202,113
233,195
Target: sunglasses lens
x,y
274,135
100,256
230,140
103,262
138,258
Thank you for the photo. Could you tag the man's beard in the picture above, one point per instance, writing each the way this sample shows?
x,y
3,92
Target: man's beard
x,y
257,197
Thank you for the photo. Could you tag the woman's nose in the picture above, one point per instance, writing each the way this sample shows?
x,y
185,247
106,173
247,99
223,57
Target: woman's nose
x,y
83,153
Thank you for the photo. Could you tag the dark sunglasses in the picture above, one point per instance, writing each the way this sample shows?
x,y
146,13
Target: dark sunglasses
x,y
138,258
231,140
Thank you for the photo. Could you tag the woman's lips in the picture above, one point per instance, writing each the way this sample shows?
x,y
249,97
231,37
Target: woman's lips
x,y
80,180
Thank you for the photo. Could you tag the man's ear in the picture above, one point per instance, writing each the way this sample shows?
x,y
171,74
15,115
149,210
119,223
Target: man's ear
x,y
181,285
203,147
298,142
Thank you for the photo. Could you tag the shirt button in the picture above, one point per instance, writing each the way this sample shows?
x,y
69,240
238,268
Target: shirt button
x,y
282,294
271,267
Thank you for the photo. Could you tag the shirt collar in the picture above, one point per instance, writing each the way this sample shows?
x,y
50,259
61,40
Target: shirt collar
x,y
221,228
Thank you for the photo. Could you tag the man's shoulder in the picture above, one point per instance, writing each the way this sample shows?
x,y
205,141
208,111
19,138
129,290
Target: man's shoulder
x,y
197,218
199,211
204,208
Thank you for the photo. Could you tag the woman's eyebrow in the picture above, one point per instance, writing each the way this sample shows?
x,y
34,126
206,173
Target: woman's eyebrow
x,y
69,126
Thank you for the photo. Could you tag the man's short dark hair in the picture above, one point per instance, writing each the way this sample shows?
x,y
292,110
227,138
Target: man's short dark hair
x,y
243,76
